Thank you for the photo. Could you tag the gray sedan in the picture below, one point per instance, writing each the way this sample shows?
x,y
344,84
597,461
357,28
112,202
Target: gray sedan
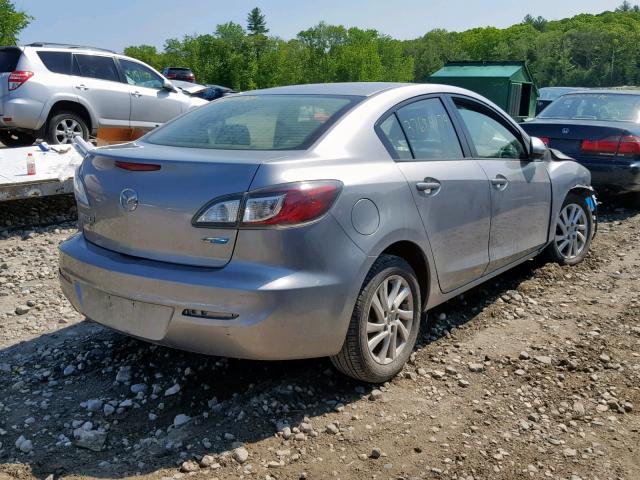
x,y
316,220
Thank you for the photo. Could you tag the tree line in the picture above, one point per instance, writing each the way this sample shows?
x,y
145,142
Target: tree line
x,y
585,50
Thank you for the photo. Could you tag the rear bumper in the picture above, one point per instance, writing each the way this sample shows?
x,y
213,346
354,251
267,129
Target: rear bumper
x,y
278,313
24,113
614,177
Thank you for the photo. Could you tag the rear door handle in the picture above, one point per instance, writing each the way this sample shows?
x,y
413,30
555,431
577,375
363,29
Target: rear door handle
x,y
500,182
429,186
136,94
82,87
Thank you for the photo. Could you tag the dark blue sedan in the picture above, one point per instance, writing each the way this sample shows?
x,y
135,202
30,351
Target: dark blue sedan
x,y
601,130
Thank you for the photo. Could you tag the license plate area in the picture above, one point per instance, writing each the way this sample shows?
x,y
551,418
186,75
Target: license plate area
x,y
140,319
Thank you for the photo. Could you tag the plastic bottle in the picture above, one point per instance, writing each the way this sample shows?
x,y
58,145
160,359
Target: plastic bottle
x,y
31,164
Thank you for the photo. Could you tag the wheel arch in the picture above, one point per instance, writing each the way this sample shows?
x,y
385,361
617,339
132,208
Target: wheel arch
x,y
71,106
414,256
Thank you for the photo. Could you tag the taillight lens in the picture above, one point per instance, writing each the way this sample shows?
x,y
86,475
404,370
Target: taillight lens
x,y
280,206
629,145
17,78
545,140
137,167
605,146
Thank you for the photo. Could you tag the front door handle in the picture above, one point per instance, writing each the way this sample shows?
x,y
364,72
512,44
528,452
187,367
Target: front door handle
x,y
430,186
500,182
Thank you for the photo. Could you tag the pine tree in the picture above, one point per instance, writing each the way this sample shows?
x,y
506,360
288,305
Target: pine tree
x,y
256,23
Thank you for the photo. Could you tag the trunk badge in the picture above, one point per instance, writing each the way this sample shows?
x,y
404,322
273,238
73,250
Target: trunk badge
x,y
565,131
128,200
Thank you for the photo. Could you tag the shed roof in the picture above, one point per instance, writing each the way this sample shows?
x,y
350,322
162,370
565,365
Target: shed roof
x,y
482,69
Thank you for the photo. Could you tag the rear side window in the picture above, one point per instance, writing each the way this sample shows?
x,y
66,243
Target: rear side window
x,y
9,59
56,62
255,122
429,130
95,66
395,139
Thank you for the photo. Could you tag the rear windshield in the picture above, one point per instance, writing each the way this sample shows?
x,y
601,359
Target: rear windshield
x,y
607,107
255,122
9,59
178,69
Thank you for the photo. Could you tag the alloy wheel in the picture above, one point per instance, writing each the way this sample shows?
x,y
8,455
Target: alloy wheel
x,y
66,130
571,231
390,319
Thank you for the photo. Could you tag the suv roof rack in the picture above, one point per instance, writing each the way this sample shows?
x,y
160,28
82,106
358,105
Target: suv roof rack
x,y
66,45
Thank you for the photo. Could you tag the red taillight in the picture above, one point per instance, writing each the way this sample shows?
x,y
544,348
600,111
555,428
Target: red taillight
x,y
545,140
291,204
171,75
17,78
629,145
137,167
605,146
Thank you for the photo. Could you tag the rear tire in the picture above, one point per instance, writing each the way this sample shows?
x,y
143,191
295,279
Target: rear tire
x,y
573,232
64,126
13,138
632,200
380,339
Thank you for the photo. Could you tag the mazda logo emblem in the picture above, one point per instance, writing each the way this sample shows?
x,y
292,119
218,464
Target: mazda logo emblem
x,y
565,131
128,200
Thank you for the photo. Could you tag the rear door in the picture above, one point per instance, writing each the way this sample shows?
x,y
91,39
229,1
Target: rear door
x,y
98,82
451,192
520,188
151,104
9,57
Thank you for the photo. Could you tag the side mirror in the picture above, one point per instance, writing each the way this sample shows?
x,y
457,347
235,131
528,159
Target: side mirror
x,y
167,85
538,149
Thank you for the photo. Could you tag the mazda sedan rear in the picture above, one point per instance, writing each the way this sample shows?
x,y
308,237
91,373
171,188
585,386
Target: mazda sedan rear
x,y
315,220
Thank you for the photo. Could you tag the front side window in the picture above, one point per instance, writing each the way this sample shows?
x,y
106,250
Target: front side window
x,y
140,76
490,137
429,130
96,66
255,122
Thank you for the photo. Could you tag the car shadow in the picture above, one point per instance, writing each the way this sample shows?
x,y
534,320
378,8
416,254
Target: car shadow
x,y
46,382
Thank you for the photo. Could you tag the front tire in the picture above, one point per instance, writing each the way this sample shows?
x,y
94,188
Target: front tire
x,y
64,126
13,138
573,232
384,324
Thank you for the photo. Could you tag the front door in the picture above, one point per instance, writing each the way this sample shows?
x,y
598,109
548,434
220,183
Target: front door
x,y
151,104
520,188
451,191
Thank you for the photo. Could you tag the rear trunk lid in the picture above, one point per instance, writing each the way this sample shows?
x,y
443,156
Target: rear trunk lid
x,y
567,136
159,227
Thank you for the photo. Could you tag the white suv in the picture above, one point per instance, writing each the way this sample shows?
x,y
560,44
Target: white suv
x,y
56,92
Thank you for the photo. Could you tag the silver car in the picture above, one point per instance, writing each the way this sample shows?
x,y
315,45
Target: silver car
x,y
316,220
57,92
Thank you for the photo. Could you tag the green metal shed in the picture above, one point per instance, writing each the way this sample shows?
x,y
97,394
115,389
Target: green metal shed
x,y
509,85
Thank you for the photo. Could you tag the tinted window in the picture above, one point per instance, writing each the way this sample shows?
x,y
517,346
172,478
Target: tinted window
x,y
9,59
256,122
140,76
395,139
429,130
590,106
491,138
94,66
57,62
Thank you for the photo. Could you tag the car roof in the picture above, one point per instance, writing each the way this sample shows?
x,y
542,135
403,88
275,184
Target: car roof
x,y
360,89
603,91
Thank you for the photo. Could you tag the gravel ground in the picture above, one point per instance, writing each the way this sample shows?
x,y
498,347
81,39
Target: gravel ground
x,y
535,374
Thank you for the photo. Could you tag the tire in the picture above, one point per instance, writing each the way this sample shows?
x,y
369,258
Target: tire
x,y
572,238
376,365
632,200
63,126
12,138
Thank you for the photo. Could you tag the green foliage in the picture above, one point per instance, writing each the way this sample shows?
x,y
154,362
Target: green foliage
x,y
585,50
12,22
256,23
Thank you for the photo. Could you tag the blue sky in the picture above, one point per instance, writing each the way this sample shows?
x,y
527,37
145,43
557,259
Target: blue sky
x,y
115,24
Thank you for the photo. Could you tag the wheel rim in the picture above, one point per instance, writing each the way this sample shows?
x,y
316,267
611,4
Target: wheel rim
x,y
571,231
390,319
66,130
